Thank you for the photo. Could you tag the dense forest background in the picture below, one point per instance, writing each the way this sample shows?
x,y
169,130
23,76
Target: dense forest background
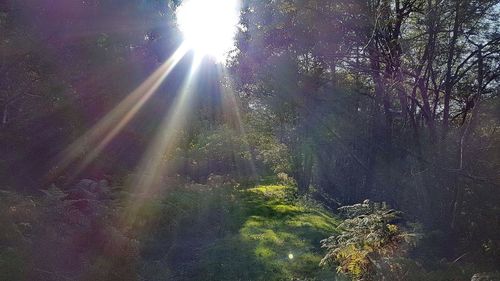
x,y
345,102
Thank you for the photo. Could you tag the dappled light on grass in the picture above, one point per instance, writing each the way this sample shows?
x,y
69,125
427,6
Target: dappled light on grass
x,y
231,234
270,242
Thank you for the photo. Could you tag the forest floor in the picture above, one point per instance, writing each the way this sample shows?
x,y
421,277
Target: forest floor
x,y
193,232
227,233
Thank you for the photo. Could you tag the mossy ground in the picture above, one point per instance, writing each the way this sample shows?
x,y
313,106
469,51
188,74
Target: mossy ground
x,y
259,233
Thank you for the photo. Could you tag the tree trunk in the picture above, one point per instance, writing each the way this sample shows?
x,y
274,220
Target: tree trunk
x,y
468,130
448,83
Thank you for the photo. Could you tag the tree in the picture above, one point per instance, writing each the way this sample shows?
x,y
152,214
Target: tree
x,y
374,99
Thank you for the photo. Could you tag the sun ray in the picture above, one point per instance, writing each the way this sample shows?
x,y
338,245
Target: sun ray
x,y
106,129
147,183
231,110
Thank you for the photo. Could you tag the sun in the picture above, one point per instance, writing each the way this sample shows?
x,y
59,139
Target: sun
x,y
209,26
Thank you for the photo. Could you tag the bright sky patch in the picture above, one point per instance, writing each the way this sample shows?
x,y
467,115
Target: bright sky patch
x,y
209,26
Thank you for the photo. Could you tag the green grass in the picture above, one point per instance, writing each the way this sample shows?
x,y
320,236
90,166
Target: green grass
x,y
279,239
258,233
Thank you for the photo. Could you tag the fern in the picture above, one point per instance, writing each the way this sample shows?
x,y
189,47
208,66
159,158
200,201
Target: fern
x,y
368,238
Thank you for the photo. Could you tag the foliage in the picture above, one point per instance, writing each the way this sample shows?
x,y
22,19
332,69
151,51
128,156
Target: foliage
x,y
268,149
221,150
369,241
62,233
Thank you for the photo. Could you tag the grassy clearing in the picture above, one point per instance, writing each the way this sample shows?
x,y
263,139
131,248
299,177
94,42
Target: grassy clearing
x,y
259,233
278,239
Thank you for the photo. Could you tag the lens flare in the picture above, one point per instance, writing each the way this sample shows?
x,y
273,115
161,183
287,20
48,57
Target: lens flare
x,y
86,148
